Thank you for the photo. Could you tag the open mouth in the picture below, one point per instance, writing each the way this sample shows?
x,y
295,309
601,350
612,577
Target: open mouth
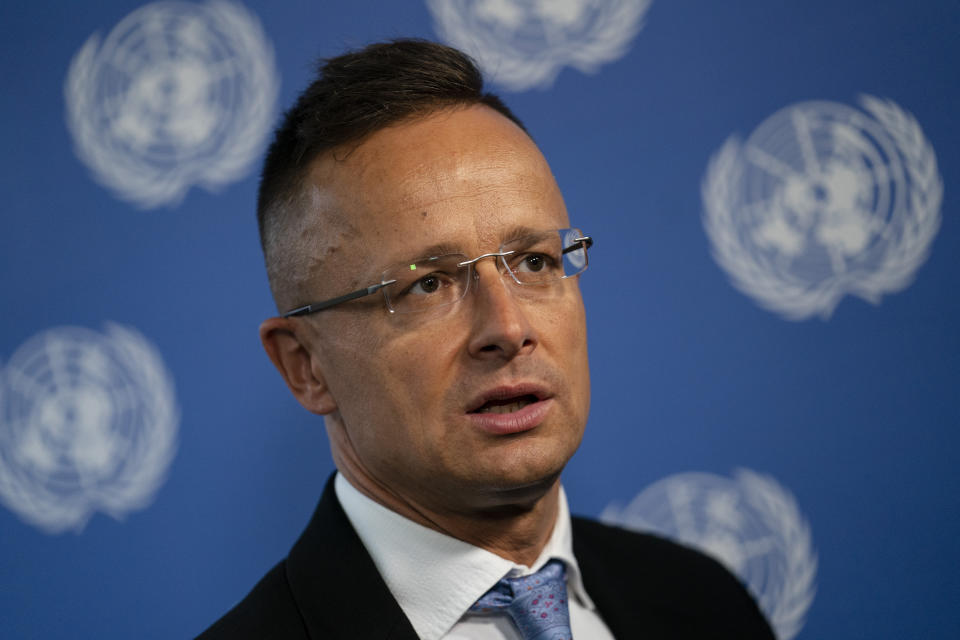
x,y
506,405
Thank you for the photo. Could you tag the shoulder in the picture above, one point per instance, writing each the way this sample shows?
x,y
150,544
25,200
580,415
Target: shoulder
x,y
651,551
268,611
679,586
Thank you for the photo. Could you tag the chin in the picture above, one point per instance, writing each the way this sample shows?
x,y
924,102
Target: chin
x,y
524,468
522,477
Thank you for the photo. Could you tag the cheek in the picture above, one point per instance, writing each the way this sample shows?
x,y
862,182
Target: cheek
x,y
571,333
399,385
404,408
352,366
419,370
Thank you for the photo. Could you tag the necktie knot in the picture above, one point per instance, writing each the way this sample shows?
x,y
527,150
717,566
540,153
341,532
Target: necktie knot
x,y
537,603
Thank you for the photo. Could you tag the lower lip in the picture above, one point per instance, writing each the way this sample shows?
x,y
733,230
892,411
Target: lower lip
x,y
501,424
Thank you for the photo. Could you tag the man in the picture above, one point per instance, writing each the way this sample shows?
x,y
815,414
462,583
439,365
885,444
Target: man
x,y
420,254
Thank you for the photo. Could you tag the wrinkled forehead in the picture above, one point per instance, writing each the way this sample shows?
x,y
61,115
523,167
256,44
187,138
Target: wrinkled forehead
x,y
465,175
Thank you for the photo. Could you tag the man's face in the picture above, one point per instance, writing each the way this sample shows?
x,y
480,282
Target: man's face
x,y
414,393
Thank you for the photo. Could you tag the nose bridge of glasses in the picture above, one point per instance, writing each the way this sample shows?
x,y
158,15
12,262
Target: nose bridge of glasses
x,y
499,263
493,254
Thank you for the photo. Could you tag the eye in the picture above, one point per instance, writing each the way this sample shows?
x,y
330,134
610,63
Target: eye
x,y
429,284
532,263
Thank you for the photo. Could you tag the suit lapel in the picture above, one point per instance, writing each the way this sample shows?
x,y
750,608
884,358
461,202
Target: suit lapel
x,y
601,588
337,588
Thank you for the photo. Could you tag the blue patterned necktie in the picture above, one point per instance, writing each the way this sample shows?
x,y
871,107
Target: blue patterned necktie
x,y
537,603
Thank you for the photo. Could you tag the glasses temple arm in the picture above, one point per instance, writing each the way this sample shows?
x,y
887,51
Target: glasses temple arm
x,y
586,241
326,304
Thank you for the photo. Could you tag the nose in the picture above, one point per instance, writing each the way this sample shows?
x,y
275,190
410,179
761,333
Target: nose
x,y
500,324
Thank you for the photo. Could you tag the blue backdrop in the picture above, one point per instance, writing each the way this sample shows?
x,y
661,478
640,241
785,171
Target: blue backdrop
x,y
129,217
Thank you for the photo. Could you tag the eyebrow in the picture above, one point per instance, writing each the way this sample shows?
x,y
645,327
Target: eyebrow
x,y
518,232
439,249
443,248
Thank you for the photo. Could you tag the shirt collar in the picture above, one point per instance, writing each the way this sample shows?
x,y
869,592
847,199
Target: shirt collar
x,y
435,577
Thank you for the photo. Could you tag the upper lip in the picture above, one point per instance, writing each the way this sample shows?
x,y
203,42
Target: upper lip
x,y
508,391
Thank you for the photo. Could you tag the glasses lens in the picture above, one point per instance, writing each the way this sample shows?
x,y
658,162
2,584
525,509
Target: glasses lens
x,y
426,284
546,256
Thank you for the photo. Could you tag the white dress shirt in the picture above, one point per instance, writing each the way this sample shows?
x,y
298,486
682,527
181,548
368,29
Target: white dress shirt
x,y
436,578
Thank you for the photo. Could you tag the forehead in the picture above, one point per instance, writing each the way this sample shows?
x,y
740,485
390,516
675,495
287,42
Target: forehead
x,y
465,177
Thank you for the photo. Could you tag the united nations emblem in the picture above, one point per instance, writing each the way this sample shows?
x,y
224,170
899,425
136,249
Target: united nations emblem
x,y
822,201
177,95
521,44
750,523
88,422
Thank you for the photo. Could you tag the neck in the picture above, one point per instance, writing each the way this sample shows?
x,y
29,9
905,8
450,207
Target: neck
x,y
515,525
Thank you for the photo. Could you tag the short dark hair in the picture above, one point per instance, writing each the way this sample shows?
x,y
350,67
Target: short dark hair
x,y
354,95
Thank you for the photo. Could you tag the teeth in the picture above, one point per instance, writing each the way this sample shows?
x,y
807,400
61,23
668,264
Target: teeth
x,y
504,408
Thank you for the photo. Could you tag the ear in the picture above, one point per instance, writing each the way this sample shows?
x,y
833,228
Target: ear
x,y
285,343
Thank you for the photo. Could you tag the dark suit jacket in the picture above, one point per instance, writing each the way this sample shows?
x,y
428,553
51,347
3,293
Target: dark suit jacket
x,y
644,587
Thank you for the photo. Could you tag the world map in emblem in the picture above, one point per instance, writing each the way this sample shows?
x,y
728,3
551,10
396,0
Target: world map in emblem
x,y
88,422
522,44
749,523
823,201
177,95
